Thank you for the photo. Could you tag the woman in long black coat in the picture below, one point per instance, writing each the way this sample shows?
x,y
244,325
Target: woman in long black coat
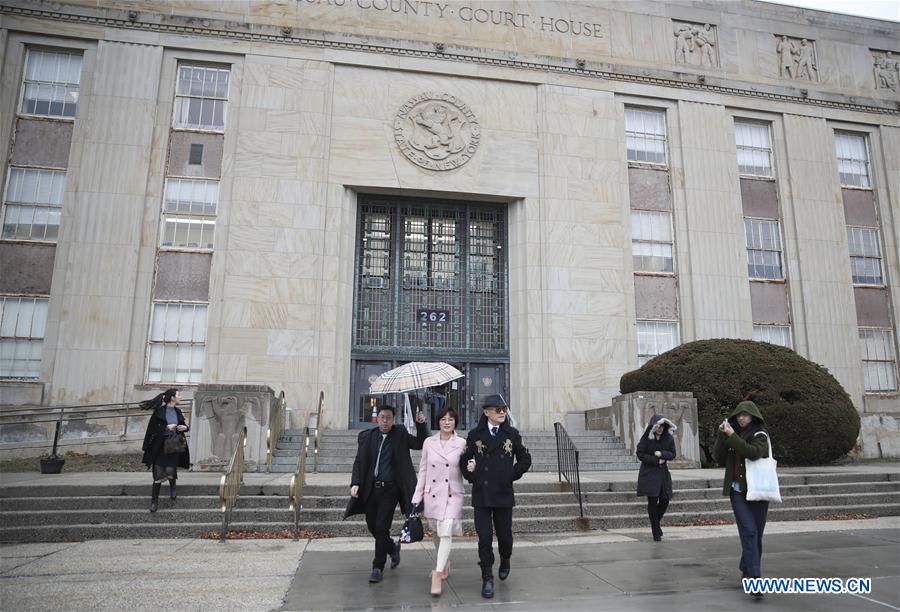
x,y
167,421
655,449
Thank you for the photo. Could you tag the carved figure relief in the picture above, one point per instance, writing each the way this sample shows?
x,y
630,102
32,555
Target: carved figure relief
x,y
437,131
887,70
227,415
695,44
796,58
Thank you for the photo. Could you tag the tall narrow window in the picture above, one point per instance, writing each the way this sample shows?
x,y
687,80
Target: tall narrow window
x,y
33,203
754,148
483,257
879,359
655,338
415,253
52,80
201,96
853,159
773,334
645,134
22,324
651,241
763,248
865,255
189,213
177,342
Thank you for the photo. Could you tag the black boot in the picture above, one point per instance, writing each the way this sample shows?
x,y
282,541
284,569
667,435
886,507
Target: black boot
x,y
154,500
173,494
503,572
487,582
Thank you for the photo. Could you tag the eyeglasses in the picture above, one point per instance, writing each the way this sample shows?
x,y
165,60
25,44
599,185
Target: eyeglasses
x,y
499,408
448,420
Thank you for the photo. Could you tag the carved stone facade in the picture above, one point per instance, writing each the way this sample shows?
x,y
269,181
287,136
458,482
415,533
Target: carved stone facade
x,y
696,43
530,109
796,58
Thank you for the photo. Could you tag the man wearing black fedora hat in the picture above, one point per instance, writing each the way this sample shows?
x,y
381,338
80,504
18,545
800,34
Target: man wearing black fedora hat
x,y
493,459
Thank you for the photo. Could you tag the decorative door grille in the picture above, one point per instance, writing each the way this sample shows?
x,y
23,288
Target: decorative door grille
x,y
430,276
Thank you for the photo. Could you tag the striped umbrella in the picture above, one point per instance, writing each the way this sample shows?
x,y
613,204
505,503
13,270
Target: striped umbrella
x,y
414,375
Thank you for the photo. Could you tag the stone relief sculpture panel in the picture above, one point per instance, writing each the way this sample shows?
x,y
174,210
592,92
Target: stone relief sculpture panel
x,y
695,44
437,131
796,58
887,70
227,414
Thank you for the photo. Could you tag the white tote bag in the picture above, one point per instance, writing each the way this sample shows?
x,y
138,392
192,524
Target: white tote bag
x,y
762,479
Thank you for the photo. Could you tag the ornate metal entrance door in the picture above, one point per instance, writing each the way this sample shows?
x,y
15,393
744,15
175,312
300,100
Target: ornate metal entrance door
x,y
430,284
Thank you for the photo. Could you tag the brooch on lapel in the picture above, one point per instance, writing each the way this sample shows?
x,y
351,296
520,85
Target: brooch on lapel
x,y
507,447
479,446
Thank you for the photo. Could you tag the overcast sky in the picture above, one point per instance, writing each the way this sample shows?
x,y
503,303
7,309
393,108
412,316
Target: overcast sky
x,y
879,9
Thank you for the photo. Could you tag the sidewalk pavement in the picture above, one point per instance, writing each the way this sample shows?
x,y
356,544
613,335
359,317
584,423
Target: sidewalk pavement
x,y
261,480
693,568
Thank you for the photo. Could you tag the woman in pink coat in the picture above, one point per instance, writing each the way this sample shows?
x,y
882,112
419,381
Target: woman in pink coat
x,y
440,486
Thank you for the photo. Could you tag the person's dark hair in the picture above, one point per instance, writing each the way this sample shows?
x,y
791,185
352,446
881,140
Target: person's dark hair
x,y
160,400
388,407
451,412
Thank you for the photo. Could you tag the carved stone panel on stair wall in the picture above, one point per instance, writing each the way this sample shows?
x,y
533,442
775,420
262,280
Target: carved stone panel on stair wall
x,y
796,58
220,413
631,412
887,70
696,43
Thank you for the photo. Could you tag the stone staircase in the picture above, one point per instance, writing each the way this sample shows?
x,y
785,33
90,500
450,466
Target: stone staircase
x,y
73,513
598,451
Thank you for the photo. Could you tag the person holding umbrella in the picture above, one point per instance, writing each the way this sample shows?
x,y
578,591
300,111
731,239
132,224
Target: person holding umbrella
x,y
382,476
493,459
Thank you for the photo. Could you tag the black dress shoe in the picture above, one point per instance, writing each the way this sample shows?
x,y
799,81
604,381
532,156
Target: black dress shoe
x,y
395,555
376,575
173,494
503,572
657,537
487,588
154,505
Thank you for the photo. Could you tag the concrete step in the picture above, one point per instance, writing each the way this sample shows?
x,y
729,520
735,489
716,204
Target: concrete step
x,y
336,497
567,506
181,529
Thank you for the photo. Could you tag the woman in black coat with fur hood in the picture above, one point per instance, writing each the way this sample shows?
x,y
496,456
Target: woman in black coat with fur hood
x,y
655,449
166,422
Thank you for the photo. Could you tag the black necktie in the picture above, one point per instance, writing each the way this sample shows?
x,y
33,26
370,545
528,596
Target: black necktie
x,y
494,431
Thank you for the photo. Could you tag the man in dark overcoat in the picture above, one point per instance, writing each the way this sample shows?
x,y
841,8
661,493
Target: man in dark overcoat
x,y
382,476
493,459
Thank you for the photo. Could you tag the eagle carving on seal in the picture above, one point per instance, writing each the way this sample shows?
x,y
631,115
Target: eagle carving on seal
x,y
437,131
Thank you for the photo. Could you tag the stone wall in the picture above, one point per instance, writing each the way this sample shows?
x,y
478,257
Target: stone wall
x,y
630,413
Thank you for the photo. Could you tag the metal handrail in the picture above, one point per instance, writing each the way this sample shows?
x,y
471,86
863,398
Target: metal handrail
x,y
567,463
230,483
96,412
318,431
276,426
298,482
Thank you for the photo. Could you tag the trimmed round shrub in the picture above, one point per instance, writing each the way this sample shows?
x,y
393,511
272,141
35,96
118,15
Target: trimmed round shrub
x,y
808,413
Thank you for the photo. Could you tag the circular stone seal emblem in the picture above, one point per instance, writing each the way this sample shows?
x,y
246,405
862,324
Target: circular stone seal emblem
x,y
437,131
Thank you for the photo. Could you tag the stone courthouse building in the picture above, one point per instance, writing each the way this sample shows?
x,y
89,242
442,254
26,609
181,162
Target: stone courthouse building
x,y
306,193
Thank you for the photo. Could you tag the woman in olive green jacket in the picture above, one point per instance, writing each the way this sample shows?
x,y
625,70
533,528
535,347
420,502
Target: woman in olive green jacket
x,y
743,436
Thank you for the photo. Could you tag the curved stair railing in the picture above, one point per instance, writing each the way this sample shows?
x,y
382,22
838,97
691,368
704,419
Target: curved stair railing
x,y
567,467
230,483
298,480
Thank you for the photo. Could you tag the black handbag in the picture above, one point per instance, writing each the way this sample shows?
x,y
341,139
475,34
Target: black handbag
x,y
176,444
412,530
